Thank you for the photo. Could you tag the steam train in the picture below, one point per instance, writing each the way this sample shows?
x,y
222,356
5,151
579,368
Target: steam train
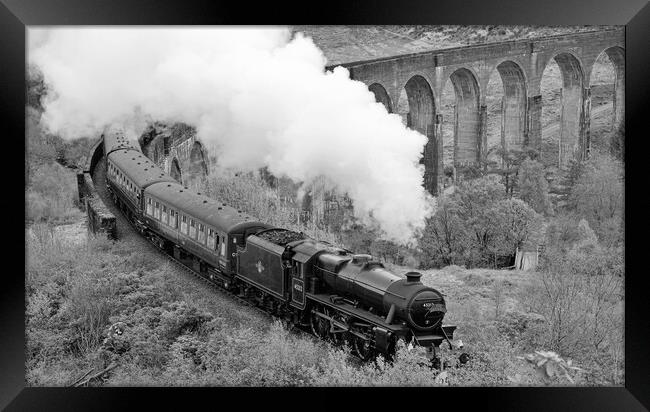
x,y
338,295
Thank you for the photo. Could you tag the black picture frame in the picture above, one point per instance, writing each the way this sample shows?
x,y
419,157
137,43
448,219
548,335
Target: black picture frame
x,y
15,15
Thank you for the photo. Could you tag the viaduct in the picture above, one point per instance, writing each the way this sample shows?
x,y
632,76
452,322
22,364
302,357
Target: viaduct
x,y
177,150
520,64
423,76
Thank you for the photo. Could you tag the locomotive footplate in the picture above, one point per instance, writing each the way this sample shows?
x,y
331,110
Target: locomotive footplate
x,y
349,309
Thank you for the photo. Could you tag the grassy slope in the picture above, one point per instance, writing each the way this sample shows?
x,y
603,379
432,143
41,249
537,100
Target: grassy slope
x,y
342,44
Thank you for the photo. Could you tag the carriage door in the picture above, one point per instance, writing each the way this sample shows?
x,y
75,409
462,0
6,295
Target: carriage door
x,y
298,285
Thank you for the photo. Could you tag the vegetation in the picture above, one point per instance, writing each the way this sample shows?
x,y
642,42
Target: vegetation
x,y
175,332
51,195
477,225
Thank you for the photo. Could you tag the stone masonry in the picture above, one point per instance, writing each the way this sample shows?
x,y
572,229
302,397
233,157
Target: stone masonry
x,y
520,64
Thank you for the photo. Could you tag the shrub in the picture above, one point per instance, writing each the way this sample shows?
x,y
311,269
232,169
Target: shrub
x,y
517,223
476,225
52,194
580,295
598,196
444,240
533,187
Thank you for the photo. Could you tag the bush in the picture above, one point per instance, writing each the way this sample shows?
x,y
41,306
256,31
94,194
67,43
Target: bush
x,y
476,225
444,240
580,294
598,196
533,187
517,224
52,195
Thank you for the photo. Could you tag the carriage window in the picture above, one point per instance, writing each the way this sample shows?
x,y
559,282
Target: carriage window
x,y
173,218
149,208
184,224
156,212
165,216
192,229
223,248
211,240
201,233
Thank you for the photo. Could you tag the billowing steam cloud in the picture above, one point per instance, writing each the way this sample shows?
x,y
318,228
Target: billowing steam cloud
x,y
257,98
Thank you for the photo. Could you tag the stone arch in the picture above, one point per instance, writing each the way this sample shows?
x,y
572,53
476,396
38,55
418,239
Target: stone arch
x,y
616,55
513,113
467,119
175,171
198,165
421,116
571,106
381,96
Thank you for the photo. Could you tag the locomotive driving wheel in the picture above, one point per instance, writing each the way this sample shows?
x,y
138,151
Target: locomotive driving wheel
x,y
339,337
319,325
362,348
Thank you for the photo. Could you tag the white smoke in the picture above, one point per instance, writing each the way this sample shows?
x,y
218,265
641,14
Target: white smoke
x,y
257,96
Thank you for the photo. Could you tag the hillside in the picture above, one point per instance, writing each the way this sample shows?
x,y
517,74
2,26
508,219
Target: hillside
x,y
342,44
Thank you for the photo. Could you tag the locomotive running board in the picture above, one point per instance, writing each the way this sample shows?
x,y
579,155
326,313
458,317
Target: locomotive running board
x,y
358,313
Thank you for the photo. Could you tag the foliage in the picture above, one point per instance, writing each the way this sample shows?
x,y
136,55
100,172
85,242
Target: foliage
x,y
477,199
52,194
444,241
533,187
580,294
551,366
518,224
476,224
598,196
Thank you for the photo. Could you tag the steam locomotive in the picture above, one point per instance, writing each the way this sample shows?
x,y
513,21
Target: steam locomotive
x,y
338,295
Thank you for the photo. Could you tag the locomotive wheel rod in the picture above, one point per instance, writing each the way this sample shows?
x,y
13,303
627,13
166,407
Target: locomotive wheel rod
x,y
343,326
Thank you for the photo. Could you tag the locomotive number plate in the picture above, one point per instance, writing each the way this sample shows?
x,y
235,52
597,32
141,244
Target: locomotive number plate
x,y
434,307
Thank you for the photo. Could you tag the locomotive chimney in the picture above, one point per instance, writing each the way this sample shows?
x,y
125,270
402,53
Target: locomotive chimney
x,y
413,277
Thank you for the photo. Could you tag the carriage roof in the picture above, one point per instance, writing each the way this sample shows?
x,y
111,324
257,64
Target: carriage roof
x,y
137,167
209,211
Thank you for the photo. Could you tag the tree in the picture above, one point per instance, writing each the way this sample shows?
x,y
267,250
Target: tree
x,y
444,240
533,187
518,223
512,160
476,199
598,196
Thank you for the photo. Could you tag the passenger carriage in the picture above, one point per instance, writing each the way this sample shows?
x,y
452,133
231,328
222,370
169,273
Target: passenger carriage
x,y
128,174
198,225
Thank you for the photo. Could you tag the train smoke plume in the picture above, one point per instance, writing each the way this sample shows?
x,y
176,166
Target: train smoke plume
x,y
257,96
